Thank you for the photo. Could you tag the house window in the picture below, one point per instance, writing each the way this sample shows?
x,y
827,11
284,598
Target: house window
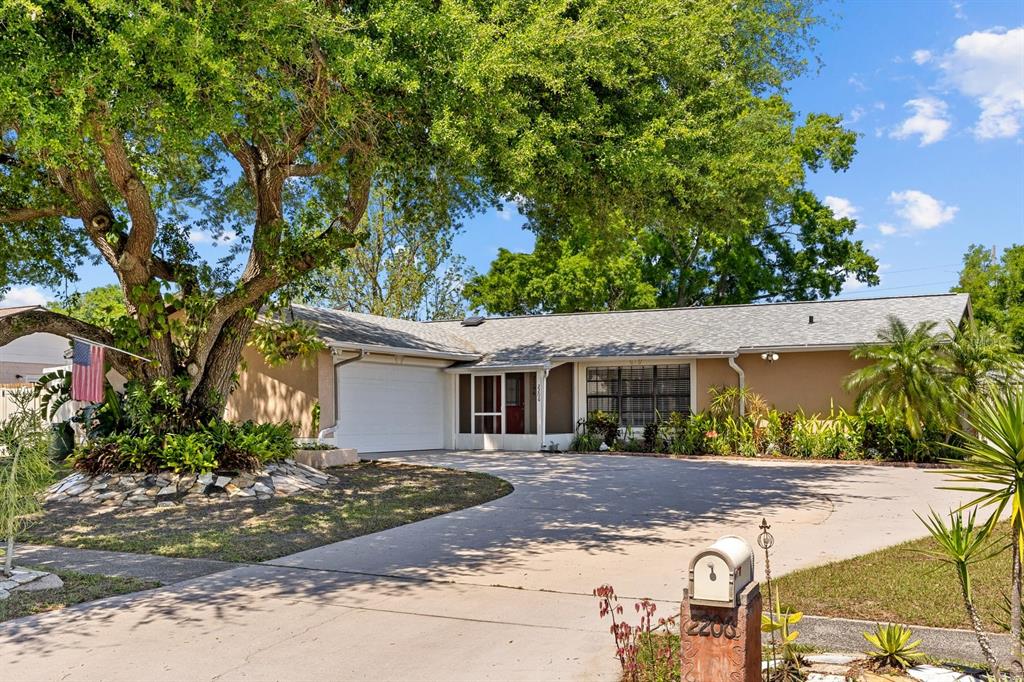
x,y
639,394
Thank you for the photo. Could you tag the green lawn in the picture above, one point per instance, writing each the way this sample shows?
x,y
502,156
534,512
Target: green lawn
x,y
77,588
368,497
899,584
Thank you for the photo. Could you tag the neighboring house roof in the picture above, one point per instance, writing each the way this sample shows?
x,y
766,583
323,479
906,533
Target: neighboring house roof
x,y
536,340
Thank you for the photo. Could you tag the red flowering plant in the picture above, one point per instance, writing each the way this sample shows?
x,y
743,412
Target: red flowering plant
x,y
645,651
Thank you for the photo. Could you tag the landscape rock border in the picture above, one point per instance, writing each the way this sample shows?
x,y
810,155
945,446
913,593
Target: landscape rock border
x,y
169,489
25,580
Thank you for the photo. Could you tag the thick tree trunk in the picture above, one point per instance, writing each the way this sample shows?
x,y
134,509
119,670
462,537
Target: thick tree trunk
x,y
214,382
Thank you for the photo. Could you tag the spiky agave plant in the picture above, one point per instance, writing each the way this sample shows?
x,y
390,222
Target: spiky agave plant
x,y
892,646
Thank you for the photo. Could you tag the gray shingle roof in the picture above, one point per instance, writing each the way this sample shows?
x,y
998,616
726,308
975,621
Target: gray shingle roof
x,y
712,330
359,330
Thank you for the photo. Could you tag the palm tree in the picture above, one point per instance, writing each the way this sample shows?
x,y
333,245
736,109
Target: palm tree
x,y
993,470
904,381
982,357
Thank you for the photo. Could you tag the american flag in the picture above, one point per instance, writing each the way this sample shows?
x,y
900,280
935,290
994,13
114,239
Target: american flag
x,y
87,372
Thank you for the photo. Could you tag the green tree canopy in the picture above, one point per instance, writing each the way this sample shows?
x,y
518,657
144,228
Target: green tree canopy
x,y
127,126
996,286
782,243
102,306
400,268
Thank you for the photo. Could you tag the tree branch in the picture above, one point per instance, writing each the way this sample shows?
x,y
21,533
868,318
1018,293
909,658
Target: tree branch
x,y
140,238
40,320
24,215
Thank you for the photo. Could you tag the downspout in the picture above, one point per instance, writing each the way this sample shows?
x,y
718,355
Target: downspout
x,y
330,431
542,407
743,381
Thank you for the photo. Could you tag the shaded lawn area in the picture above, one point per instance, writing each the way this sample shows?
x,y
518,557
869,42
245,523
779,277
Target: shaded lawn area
x,y
901,584
368,497
77,588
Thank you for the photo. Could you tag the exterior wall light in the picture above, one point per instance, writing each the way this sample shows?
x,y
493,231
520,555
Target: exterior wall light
x,y
769,357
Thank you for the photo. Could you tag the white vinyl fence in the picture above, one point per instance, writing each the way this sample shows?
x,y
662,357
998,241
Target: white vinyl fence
x,y
7,404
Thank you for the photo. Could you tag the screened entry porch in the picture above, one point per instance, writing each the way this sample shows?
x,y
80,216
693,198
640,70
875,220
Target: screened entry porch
x,y
515,410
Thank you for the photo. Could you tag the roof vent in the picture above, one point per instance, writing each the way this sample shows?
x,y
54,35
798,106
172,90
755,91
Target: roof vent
x,y
473,321
810,319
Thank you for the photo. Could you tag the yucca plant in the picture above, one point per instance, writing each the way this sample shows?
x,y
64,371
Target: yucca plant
x,y
892,646
993,471
962,543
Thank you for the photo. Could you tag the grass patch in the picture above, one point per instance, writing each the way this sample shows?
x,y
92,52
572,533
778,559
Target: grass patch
x,y
368,497
78,588
901,584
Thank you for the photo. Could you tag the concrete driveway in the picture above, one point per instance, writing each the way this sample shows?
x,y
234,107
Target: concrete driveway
x,y
496,592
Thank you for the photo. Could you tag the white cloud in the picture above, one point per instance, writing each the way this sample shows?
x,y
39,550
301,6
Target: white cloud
x,y
930,121
851,283
19,296
841,208
922,211
887,229
856,114
206,237
857,83
989,67
922,56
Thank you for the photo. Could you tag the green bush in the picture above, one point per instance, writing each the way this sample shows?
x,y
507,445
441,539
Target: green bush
x,y
187,452
218,446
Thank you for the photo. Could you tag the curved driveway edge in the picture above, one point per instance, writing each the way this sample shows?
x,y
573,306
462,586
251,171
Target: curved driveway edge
x,y
495,592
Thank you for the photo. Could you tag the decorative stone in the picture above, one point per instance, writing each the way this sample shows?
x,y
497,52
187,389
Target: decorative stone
x,y
24,580
167,489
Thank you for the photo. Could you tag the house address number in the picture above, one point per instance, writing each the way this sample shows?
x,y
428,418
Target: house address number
x,y
712,626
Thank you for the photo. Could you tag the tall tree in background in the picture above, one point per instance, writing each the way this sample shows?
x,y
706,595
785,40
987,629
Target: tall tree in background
x,y
102,306
400,268
996,286
126,126
780,243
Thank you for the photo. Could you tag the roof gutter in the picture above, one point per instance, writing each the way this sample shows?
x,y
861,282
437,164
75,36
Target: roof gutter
x,y
396,350
743,382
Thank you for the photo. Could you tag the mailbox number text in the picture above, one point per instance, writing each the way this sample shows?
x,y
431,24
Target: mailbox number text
x,y
712,626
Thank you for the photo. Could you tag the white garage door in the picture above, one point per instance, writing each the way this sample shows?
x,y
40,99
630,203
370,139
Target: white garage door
x,y
383,408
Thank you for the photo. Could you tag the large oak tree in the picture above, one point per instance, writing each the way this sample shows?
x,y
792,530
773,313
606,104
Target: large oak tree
x,y
127,125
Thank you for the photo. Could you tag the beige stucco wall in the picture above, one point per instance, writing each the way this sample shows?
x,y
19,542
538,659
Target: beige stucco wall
x,y
811,381
558,403
275,394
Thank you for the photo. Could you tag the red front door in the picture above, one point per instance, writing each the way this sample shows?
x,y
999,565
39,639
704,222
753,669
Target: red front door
x,y
515,402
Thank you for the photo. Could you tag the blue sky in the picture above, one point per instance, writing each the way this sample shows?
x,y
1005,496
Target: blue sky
x,y
935,88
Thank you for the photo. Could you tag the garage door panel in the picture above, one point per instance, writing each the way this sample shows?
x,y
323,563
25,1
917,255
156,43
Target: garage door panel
x,y
390,407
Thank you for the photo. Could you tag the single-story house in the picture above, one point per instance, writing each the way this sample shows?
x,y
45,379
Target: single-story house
x,y
524,383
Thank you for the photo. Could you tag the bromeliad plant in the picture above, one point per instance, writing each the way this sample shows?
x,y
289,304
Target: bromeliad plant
x,y
892,646
790,666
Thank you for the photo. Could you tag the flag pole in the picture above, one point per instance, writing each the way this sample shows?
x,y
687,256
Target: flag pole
x,y
103,345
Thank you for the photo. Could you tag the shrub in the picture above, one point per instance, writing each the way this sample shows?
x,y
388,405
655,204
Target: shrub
x,y
892,646
605,425
645,652
585,442
188,452
218,445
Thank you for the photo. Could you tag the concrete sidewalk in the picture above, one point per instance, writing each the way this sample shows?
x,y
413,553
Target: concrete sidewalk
x,y
165,570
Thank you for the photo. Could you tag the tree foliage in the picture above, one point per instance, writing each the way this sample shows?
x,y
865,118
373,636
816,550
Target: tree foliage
x,y
400,268
905,380
127,126
777,242
102,306
996,286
